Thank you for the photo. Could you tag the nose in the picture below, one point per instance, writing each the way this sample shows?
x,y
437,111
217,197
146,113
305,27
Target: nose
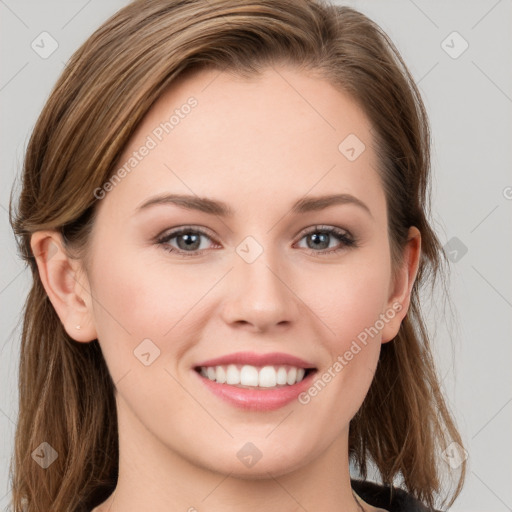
x,y
260,295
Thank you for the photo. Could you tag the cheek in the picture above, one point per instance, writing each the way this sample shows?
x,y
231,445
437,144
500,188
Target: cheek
x,y
139,299
349,298
350,304
133,304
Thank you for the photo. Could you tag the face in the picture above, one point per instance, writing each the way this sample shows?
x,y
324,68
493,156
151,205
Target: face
x,y
305,283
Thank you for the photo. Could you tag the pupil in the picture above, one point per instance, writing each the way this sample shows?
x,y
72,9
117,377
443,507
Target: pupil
x,y
316,237
189,240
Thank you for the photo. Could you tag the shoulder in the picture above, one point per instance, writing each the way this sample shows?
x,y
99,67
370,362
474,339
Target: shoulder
x,y
391,499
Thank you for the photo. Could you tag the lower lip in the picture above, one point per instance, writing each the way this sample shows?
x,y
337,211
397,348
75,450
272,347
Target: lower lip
x,y
265,399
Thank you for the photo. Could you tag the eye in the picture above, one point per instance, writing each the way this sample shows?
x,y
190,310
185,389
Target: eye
x,y
188,240
321,236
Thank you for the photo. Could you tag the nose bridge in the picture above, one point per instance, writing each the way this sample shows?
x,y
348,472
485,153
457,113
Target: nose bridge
x,y
258,293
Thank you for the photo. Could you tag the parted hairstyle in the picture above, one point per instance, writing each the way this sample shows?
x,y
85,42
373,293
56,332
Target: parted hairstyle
x,y
66,394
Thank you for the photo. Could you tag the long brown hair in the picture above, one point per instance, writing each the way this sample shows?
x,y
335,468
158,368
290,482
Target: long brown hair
x,y
66,395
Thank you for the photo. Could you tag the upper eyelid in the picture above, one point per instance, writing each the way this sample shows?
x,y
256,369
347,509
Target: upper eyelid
x,y
179,229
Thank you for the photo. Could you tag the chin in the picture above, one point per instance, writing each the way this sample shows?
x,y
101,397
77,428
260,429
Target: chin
x,y
249,464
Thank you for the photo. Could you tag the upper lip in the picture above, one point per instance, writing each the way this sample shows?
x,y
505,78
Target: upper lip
x,y
254,359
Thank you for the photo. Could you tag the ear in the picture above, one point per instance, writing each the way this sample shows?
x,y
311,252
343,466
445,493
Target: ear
x,y
65,283
401,286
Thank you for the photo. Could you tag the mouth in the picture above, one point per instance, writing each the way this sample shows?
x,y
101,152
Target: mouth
x,y
255,377
256,382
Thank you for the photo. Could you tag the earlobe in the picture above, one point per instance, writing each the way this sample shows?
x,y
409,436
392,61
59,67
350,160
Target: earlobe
x,y
400,292
65,284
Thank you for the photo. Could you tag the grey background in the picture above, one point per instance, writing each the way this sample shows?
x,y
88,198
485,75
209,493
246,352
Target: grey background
x,y
469,101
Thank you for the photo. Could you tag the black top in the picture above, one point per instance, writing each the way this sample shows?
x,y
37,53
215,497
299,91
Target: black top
x,y
379,496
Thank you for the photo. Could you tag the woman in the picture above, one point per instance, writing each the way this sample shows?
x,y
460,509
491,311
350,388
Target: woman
x,y
224,208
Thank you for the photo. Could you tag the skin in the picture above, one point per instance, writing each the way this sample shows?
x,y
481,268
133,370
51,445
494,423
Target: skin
x,y
258,145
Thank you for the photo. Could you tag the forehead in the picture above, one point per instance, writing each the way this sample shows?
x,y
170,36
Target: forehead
x,y
281,134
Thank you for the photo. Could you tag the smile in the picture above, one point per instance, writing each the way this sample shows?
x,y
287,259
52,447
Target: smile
x,y
254,376
256,382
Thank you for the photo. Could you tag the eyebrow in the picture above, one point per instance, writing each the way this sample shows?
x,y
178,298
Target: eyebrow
x,y
221,209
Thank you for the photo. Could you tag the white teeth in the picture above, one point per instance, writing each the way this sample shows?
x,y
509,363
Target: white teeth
x,y
281,376
221,375
248,375
232,375
292,376
268,377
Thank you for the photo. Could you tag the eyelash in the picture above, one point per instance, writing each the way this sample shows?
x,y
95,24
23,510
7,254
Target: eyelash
x,y
347,240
